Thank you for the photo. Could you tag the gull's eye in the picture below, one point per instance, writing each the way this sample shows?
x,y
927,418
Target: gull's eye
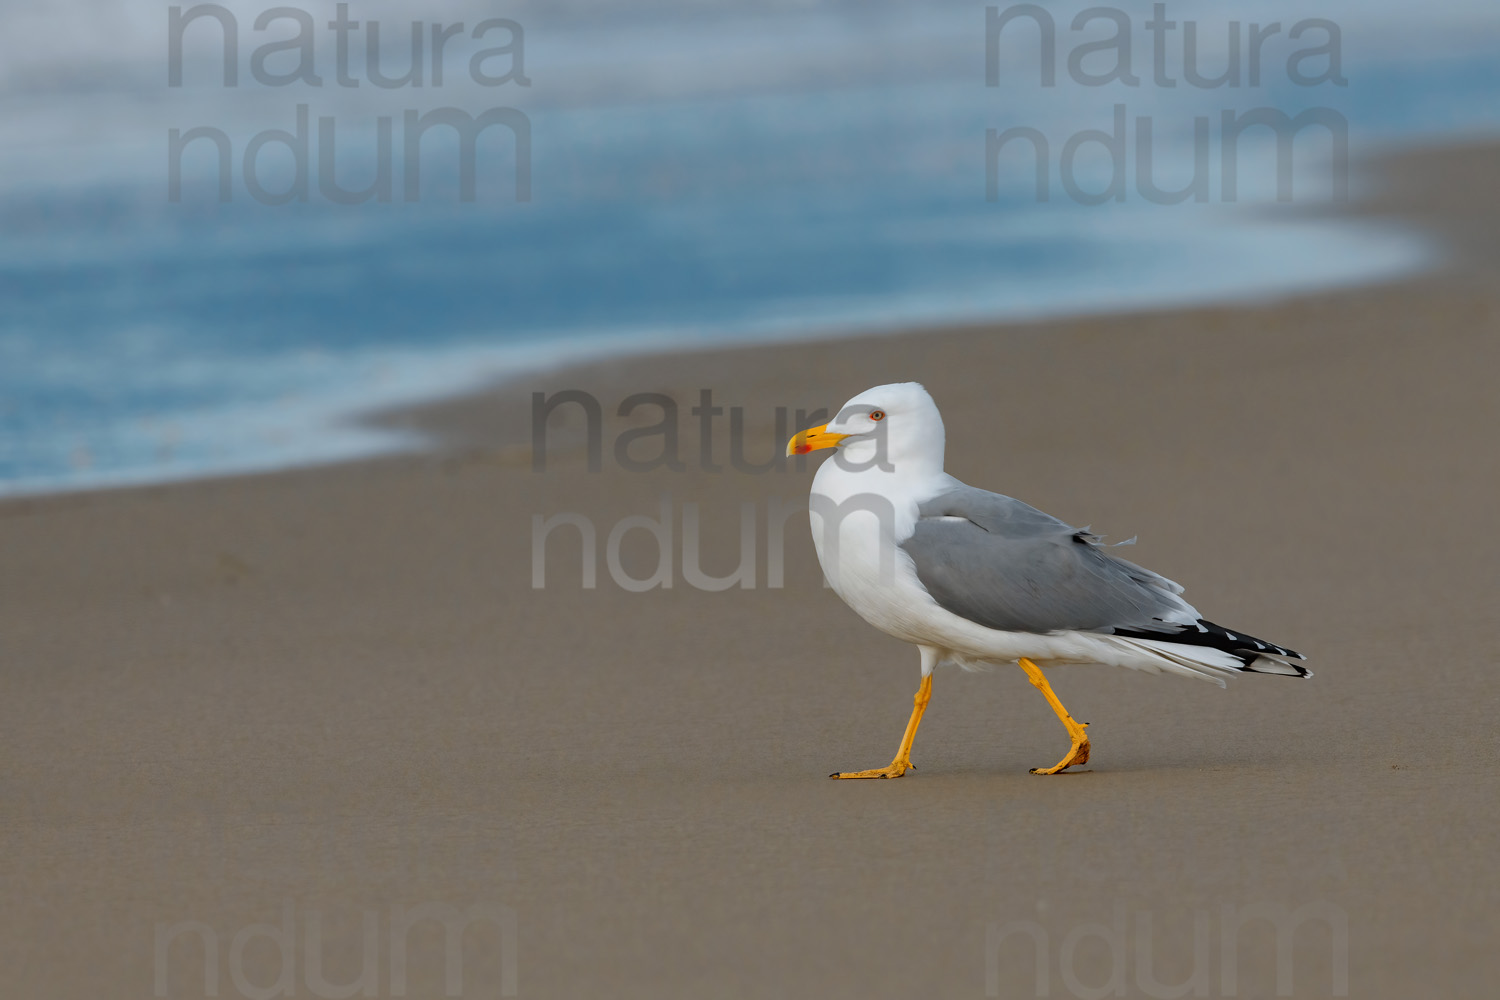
x,y
877,414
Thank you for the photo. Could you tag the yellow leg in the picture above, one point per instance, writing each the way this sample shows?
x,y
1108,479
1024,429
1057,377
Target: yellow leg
x,y
1079,754
902,763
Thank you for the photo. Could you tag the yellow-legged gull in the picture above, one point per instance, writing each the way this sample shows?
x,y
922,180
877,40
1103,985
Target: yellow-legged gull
x,y
973,577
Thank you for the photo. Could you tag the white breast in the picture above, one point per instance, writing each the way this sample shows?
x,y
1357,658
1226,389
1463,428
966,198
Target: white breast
x,y
859,520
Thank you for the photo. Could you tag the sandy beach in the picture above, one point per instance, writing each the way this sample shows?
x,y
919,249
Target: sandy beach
x,y
320,699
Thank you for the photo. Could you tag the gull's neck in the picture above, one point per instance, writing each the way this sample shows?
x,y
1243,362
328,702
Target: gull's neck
x,y
912,473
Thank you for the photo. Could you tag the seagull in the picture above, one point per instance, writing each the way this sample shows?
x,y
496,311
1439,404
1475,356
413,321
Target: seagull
x,y
974,578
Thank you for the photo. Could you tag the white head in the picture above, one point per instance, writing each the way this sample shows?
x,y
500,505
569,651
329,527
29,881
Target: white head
x,y
888,427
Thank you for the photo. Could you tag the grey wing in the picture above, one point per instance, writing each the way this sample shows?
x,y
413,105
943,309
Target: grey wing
x,y
1006,565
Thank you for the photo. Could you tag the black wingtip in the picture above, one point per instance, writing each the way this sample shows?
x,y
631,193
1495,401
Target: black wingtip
x,y
1247,647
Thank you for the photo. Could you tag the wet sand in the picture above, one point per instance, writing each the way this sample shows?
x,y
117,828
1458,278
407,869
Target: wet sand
x,y
304,699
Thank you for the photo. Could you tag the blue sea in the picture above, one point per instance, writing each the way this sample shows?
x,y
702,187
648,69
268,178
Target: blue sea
x,y
697,174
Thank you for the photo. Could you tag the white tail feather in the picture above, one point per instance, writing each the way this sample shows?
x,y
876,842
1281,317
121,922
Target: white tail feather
x,y
1202,662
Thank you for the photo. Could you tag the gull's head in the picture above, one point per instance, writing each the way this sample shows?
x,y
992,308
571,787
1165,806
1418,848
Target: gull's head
x,y
890,425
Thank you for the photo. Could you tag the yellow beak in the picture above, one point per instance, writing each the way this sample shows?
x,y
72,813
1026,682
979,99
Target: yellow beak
x,y
813,439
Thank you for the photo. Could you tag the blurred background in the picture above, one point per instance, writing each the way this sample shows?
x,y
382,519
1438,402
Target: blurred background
x,y
698,173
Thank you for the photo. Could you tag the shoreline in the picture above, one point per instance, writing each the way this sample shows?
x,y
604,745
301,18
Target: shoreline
x,y
1402,217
